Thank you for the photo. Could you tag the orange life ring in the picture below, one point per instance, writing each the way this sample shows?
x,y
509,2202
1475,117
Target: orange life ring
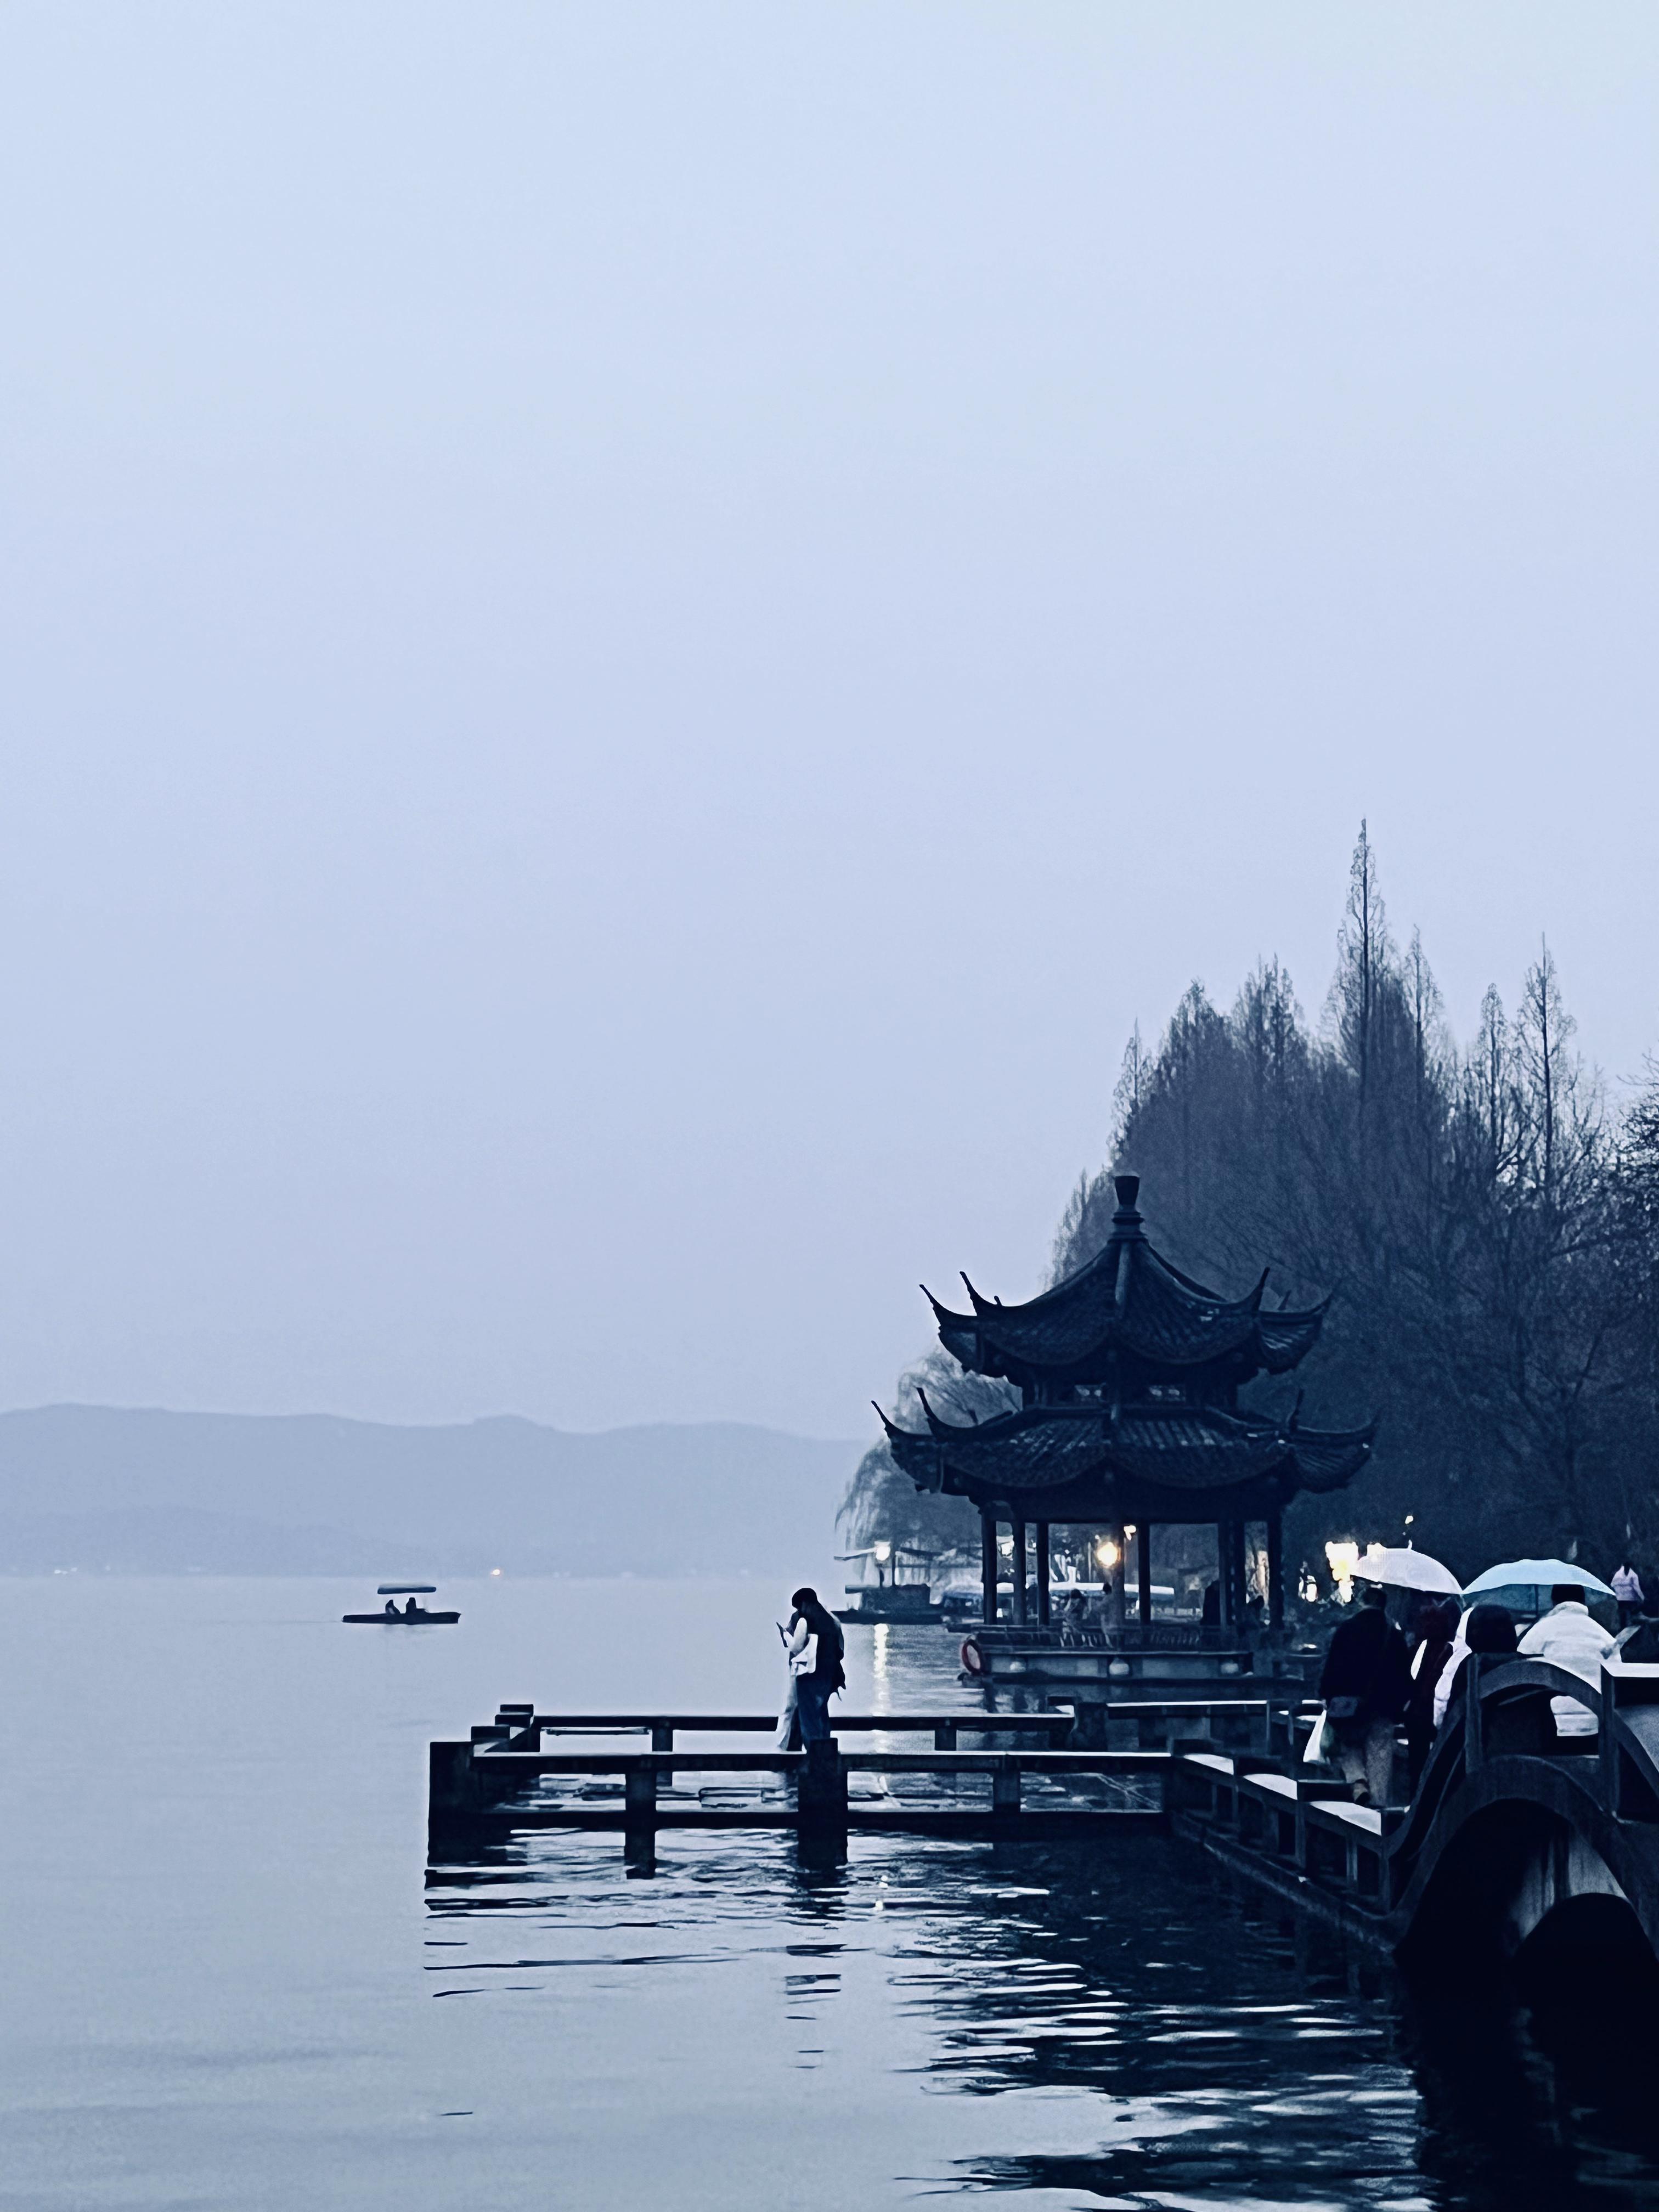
x,y
970,1657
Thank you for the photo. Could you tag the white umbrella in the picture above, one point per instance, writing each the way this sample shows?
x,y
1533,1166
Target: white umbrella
x,y
1405,1569
1538,1574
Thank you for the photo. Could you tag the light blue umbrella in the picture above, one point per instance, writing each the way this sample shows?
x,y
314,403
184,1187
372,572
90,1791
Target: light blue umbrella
x,y
1538,1574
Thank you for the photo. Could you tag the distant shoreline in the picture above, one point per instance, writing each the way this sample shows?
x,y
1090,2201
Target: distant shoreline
x,y
106,1490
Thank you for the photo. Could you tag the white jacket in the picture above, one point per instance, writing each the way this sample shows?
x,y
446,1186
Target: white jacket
x,y
1569,1637
1459,1653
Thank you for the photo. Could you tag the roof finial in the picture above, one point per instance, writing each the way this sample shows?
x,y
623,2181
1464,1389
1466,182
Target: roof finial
x,y
1127,1188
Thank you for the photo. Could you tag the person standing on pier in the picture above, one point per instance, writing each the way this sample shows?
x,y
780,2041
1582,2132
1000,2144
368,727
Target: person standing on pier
x,y
1364,1684
817,1647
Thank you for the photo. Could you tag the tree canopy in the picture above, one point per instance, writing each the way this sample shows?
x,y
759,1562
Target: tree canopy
x,y
1487,1227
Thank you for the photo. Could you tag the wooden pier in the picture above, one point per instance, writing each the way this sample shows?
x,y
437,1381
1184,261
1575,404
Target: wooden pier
x,y
1510,1823
1014,1774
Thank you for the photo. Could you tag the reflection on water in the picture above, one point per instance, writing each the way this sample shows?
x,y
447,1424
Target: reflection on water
x,y
228,1988
1127,2027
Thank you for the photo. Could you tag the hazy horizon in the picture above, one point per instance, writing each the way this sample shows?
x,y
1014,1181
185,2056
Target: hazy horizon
x,y
637,637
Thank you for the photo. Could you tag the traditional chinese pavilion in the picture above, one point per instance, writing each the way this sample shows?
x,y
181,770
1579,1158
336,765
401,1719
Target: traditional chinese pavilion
x,y
1129,1374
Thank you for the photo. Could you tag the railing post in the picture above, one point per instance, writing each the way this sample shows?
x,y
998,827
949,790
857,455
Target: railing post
x,y
1608,1746
1475,1736
1004,1784
945,1739
662,1736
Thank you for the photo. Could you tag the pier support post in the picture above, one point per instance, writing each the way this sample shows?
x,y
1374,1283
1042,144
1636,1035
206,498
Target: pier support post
x,y
1004,1786
640,1813
1019,1527
821,1806
453,1789
822,1796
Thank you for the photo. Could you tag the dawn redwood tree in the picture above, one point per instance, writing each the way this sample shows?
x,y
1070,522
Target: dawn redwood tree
x,y
1488,1234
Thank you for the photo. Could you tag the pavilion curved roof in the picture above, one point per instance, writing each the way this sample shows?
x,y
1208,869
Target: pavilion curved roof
x,y
1198,1450
1127,1298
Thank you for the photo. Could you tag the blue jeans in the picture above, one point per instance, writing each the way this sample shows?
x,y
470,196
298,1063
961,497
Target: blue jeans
x,y
812,1698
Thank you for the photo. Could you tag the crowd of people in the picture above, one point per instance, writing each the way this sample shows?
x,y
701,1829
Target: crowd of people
x,y
1377,1680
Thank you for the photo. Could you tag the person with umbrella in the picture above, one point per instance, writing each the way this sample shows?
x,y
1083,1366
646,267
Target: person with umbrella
x,y
1364,1686
1570,1636
1367,1682
1436,1629
1487,1631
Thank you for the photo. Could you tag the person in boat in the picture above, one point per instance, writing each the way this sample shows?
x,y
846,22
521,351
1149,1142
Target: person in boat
x,y
391,1608
816,1648
410,1610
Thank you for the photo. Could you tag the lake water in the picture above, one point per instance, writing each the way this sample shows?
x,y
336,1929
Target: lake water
x,y
228,1982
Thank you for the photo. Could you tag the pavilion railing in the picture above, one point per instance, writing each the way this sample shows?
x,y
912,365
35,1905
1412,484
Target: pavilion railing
x,y
1108,1636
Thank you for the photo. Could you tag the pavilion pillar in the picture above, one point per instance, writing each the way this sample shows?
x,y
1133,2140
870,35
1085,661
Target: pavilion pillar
x,y
988,1566
1044,1611
1144,1569
1276,1569
1120,1578
1223,1573
1019,1527
1238,1531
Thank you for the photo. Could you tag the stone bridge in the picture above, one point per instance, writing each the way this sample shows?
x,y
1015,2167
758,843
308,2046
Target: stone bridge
x,y
1514,1846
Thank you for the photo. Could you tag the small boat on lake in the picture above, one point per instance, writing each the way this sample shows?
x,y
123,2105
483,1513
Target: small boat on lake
x,y
408,1615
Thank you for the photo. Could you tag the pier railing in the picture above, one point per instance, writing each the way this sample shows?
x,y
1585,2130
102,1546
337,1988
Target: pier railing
x,y
495,1780
1499,1757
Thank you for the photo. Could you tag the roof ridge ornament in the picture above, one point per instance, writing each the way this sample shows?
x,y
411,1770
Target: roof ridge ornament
x,y
1127,1188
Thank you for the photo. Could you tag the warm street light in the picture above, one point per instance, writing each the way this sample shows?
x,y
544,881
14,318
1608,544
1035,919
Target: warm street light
x,y
1342,1559
1106,1552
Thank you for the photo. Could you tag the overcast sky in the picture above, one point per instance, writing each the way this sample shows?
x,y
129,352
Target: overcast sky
x,y
633,636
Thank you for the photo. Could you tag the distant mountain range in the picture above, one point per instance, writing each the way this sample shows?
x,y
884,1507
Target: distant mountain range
x,y
110,1490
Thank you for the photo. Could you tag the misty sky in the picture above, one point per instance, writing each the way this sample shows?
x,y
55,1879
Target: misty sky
x,y
633,636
